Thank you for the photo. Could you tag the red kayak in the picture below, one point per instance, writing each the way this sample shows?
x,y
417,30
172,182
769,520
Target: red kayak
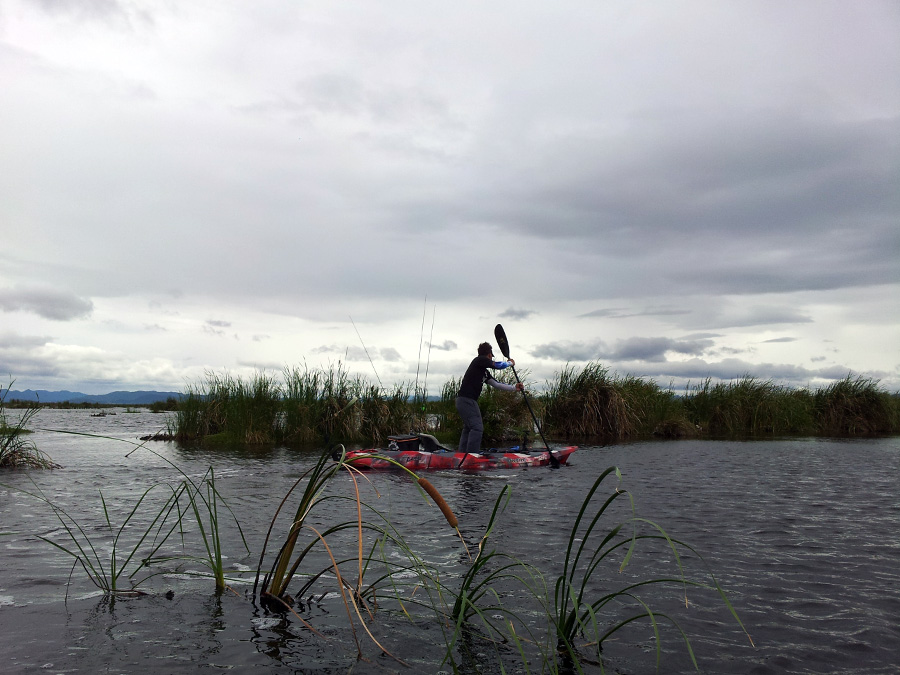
x,y
422,451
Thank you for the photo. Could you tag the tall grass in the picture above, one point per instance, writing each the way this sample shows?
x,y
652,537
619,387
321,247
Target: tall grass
x,y
581,607
108,563
17,450
856,405
589,403
89,549
501,599
307,406
749,406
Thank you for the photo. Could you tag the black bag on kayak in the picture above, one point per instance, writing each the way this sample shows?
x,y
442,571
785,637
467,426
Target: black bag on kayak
x,y
403,442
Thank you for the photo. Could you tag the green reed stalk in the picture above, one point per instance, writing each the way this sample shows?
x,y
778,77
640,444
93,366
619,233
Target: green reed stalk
x,y
103,573
16,450
577,613
275,583
204,501
478,596
203,498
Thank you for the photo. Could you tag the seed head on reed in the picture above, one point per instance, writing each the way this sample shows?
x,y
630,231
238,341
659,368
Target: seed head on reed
x,y
440,501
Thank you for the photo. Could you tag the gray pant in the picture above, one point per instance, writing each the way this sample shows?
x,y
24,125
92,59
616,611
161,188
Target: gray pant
x,y
473,427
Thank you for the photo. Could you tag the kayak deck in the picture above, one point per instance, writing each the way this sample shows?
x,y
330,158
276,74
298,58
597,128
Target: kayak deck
x,y
420,451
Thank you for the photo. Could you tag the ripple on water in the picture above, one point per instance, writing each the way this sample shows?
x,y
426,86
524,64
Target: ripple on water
x,y
801,534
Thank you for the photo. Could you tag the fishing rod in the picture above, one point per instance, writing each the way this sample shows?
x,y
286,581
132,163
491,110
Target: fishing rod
x,y
366,351
419,362
428,361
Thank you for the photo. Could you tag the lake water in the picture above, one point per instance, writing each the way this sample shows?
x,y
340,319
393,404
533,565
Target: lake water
x,y
803,534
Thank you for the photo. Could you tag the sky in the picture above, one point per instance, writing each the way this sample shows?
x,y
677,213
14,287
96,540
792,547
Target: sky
x,y
674,190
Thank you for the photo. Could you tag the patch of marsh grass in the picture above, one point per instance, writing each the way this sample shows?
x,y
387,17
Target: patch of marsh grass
x,y
748,407
503,602
17,450
306,406
147,537
107,555
589,403
854,406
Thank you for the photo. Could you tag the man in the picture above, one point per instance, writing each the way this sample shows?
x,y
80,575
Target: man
x,y
467,399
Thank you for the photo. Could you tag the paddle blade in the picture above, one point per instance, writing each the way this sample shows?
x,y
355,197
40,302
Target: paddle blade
x,y
502,342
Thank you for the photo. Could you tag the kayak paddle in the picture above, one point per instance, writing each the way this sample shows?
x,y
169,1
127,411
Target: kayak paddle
x,y
503,343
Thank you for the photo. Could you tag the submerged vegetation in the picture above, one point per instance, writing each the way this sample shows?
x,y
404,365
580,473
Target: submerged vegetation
x,y
307,406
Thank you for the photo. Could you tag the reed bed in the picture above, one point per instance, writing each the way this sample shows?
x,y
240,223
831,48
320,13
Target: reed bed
x,y
590,403
305,406
308,406
856,406
749,406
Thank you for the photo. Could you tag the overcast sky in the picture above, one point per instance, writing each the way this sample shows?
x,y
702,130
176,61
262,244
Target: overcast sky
x,y
677,190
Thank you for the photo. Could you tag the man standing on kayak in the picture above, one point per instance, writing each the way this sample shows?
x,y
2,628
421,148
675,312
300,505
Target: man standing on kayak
x,y
467,399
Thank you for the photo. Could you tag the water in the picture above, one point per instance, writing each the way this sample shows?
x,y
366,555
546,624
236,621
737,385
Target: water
x,y
802,534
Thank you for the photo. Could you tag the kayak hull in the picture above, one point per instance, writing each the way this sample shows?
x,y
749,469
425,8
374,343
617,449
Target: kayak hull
x,y
417,460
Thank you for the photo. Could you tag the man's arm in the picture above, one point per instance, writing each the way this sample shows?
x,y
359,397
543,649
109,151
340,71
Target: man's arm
x,y
505,387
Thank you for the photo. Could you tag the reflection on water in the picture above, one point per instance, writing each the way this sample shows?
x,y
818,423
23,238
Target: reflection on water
x,y
801,533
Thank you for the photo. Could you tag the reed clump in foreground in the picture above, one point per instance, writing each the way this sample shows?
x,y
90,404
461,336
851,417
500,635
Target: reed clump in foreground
x,y
17,450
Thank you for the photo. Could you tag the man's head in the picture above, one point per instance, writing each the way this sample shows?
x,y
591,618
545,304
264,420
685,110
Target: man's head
x,y
485,349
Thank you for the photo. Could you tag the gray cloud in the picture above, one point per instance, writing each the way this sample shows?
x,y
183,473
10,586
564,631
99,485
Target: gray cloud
x,y
46,302
744,187
517,314
390,354
747,185
16,341
696,370
781,339
445,346
360,354
745,317
622,313
630,349
654,349
571,351
113,12
210,329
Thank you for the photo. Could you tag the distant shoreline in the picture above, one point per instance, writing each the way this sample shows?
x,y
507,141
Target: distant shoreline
x,y
29,397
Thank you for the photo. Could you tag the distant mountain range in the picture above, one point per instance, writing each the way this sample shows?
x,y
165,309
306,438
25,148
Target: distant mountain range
x,y
113,398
